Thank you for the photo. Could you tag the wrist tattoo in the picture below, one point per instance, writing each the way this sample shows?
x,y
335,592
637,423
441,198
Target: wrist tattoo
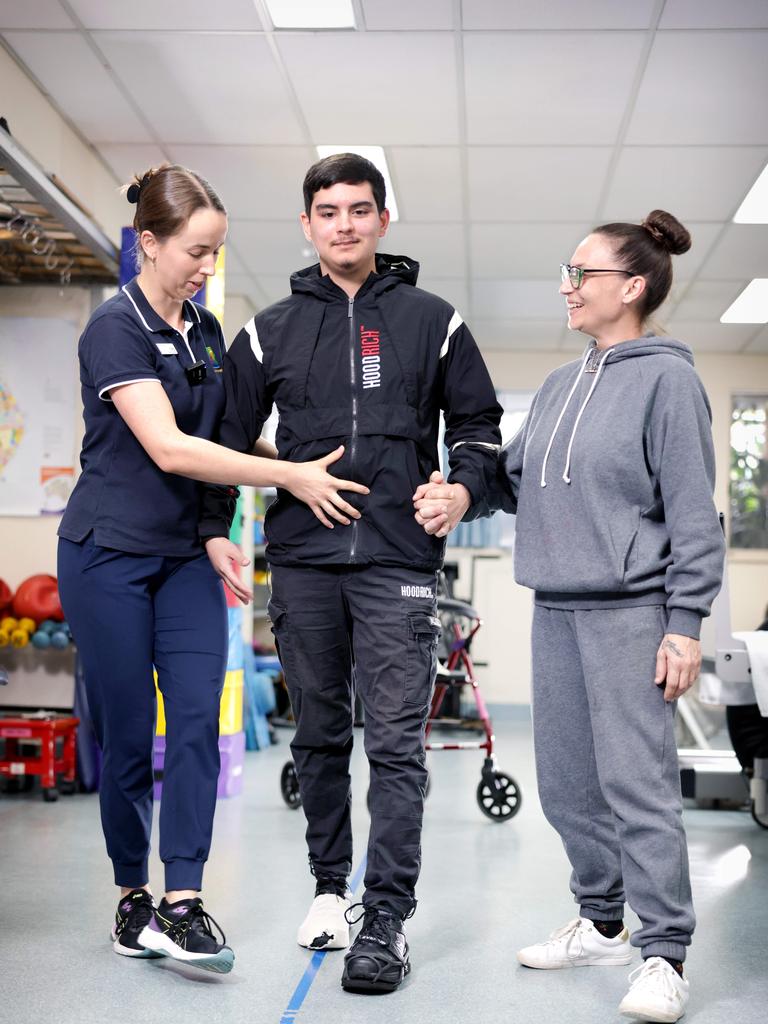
x,y
672,646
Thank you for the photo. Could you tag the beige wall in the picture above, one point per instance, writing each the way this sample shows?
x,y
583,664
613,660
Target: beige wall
x,y
506,607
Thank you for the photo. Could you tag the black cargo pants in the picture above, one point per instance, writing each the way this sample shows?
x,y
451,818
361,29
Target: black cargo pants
x,y
382,623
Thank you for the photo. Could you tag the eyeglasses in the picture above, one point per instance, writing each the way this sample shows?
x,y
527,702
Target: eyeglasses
x,y
576,274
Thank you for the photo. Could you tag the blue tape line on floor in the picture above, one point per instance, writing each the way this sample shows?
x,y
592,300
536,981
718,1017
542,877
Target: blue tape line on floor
x,y
302,989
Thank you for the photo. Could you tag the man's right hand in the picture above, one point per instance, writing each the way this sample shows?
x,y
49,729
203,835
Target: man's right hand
x,y
311,483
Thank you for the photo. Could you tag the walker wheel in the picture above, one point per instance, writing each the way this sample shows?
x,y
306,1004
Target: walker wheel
x,y
67,787
289,786
499,797
51,795
760,819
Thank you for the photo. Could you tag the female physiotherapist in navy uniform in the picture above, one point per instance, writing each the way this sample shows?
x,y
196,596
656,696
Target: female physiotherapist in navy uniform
x,y
136,585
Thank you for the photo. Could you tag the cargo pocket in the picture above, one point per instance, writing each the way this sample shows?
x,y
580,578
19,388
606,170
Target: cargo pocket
x,y
421,657
278,616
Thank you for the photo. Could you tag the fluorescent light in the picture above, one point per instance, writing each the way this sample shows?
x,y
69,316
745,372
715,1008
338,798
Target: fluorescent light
x,y
377,157
311,13
751,307
754,209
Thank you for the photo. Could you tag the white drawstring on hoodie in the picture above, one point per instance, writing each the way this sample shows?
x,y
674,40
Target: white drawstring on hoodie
x,y
566,471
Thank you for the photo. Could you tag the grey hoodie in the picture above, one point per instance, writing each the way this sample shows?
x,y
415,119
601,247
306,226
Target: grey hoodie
x,y
611,478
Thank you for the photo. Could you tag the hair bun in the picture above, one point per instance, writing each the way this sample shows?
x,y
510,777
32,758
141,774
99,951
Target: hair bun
x,y
667,231
133,192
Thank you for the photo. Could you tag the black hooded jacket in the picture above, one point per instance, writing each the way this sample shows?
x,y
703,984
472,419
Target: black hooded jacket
x,y
371,373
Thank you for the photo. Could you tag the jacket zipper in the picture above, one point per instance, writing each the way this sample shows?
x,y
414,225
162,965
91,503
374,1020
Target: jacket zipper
x,y
353,438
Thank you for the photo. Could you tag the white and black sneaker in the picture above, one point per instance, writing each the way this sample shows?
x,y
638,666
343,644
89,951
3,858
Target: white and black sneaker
x,y
134,912
182,931
378,960
326,926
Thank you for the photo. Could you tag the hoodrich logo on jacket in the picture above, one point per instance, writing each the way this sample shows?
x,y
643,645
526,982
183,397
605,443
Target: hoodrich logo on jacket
x,y
370,345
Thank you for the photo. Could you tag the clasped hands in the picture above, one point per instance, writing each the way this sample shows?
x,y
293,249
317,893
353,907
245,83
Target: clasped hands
x,y
440,506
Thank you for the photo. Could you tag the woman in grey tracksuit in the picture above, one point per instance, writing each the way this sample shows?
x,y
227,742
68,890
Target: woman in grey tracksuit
x,y
611,479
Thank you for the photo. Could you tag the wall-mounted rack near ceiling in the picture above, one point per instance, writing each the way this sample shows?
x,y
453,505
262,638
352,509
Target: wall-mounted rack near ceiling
x,y
46,236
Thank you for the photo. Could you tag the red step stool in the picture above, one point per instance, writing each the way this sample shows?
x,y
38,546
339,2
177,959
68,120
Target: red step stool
x,y
47,763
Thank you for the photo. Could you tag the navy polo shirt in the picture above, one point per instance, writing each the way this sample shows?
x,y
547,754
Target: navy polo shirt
x,y
122,497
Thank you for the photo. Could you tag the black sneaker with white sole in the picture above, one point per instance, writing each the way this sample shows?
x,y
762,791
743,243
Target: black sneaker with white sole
x,y
134,912
182,931
378,958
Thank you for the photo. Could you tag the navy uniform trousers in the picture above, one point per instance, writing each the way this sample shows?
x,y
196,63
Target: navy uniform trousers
x,y
381,623
127,613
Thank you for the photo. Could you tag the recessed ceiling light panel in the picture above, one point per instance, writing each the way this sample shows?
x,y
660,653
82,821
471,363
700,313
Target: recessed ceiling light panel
x,y
311,13
751,307
754,209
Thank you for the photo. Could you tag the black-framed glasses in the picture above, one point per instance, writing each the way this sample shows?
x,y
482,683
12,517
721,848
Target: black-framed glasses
x,y
576,274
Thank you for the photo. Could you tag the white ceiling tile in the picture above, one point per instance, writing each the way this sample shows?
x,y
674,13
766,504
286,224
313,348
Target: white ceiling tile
x,y
253,181
70,72
438,248
508,183
412,95
40,14
714,14
452,289
518,334
269,247
692,182
759,343
707,300
220,88
520,86
516,300
405,14
274,287
175,15
556,14
712,336
532,251
415,172
701,88
130,158
741,253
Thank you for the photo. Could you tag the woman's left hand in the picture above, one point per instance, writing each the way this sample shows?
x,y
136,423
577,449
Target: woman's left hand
x,y
225,557
678,662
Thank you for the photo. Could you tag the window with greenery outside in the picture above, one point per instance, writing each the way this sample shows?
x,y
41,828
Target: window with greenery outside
x,y
749,472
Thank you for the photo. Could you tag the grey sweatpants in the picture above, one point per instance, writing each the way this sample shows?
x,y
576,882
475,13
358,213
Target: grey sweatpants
x,y
607,769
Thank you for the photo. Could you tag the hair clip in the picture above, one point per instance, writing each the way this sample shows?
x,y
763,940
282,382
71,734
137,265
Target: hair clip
x,y
133,193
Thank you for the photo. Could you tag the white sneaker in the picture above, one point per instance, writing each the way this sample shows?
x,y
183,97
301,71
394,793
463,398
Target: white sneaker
x,y
578,944
656,992
325,926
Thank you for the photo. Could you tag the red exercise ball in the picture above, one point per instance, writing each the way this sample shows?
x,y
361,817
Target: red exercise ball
x,y
38,598
6,598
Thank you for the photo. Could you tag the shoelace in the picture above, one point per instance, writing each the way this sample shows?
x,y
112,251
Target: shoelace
x,y
139,915
652,967
569,932
197,920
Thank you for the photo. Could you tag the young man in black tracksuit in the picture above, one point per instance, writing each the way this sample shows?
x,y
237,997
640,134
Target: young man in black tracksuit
x,y
358,356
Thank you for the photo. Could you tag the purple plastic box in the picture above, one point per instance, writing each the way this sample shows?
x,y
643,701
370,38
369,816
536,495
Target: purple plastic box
x,y
232,750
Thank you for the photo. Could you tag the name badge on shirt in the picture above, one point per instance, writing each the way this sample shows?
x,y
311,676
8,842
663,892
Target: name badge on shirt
x,y
166,348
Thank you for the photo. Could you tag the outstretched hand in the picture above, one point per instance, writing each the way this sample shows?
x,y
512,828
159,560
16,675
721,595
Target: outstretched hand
x,y
440,506
311,483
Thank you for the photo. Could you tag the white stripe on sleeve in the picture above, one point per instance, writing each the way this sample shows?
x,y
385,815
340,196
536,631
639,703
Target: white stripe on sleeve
x,y
253,334
453,326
